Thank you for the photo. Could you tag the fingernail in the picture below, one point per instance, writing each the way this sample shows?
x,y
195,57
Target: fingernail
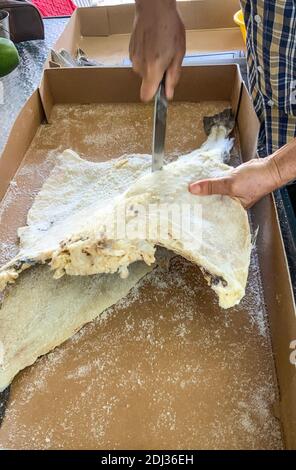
x,y
194,188
144,97
170,95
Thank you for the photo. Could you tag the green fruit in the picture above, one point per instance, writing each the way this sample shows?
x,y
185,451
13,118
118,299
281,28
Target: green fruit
x,y
9,58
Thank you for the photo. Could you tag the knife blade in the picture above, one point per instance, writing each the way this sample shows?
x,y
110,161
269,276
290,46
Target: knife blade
x,y
159,127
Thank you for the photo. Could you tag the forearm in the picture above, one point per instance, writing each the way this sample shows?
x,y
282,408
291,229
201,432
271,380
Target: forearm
x,y
283,164
150,4
152,8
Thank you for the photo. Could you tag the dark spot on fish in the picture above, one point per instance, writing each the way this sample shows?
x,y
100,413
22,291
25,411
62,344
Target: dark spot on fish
x,y
214,280
19,264
85,252
4,396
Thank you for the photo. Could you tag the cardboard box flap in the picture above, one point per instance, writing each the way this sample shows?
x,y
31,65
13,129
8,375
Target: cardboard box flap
x,y
111,85
19,140
118,19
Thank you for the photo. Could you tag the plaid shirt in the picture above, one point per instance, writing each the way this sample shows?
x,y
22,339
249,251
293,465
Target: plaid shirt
x,y
271,53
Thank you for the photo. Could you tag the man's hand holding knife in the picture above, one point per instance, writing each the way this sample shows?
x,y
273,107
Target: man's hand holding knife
x,y
157,48
157,45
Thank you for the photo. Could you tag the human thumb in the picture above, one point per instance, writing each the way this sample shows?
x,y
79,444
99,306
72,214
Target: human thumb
x,y
211,186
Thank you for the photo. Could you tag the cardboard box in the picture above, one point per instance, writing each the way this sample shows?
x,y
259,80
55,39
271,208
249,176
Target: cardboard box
x,y
27,144
104,32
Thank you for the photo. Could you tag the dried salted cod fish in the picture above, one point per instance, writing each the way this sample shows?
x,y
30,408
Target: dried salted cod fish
x,y
90,240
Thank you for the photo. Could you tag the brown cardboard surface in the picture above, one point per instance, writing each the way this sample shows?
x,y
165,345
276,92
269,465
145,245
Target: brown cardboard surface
x,y
104,32
166,368
118,19
163,371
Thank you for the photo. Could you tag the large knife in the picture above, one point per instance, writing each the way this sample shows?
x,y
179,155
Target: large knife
x,y
159,127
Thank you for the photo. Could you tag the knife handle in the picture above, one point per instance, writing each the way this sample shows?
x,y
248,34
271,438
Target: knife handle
x,y
161,90
162,83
